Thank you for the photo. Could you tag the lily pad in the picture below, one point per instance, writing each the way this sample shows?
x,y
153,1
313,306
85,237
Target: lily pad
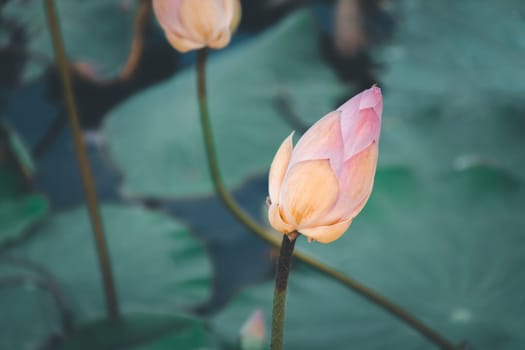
x,y
97,33
19,207
142,332
29,311
155,138
452,87
157,264
20,213
448,251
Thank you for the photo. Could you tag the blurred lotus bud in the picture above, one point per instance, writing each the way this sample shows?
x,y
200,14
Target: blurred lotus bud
x,y
194,24
253,332
318,187
349,35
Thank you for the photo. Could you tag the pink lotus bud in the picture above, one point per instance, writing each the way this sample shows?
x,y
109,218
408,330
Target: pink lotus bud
x,y
253,332
194,24
318,187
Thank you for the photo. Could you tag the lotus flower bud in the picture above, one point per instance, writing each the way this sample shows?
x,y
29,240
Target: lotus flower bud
x,y
253,332
318,187
194,24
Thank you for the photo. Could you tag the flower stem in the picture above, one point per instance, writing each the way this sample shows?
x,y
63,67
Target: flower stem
x,y
279,295
252,225
81,154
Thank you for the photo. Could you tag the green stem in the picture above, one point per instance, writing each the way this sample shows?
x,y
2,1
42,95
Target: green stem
x,y
81,154
259,230
279,294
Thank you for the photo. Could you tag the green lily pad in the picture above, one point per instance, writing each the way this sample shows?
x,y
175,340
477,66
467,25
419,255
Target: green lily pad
x,y
97,33
155,138
448,251
453,89
157,264
19,150
20,213
29,312
20,209
142,332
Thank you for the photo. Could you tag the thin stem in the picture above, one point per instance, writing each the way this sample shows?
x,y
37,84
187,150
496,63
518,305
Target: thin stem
x,y
279,294
137,45
81,154
259,230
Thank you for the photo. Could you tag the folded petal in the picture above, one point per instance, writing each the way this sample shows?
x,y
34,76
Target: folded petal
x,y
229,7
310,188
167,13
326,234
183,44
203,19
232,13
355,184
351,106
322,141
278,168
236,16
276,220
372,98
360,131
219,39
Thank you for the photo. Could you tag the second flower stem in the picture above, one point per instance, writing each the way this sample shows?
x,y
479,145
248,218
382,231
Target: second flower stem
x,y
279,295
112,305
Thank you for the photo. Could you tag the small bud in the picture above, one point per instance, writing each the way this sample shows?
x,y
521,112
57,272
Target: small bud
x,y
253,332
194,24
318,187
